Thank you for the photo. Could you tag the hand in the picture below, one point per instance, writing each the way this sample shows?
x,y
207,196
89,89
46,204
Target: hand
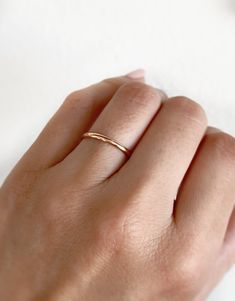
x,y
81,221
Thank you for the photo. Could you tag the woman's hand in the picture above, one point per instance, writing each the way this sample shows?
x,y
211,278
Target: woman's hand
x,y
81,221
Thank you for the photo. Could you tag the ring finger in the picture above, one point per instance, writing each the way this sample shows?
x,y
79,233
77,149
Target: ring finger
x,y
124,120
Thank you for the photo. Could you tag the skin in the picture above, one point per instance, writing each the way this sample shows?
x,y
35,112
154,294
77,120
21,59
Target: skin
x,y
81,221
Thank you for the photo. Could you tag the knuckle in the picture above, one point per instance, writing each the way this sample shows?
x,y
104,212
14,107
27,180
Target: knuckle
x,y
185,269
139,93
189,109
77,99
114,83
223,144
73,96
184,274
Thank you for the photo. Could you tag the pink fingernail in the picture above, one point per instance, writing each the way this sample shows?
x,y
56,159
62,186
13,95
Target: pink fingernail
x,y
137,74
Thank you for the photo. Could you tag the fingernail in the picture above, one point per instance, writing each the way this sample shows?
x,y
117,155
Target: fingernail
x,y
137,74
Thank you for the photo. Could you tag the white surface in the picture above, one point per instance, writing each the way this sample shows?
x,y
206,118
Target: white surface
x,y
49,48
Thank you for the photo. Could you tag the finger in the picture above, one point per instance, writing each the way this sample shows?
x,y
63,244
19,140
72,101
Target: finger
x,y
164,154
228,250
207,195
74,117
124,119
225,259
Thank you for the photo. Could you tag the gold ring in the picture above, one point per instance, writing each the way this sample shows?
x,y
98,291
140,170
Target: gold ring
x,y
106,139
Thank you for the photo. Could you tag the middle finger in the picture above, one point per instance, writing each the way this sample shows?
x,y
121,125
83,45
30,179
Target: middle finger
x,y
161,159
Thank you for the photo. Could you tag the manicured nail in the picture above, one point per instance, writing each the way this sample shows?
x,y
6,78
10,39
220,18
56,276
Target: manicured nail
x,y
137,74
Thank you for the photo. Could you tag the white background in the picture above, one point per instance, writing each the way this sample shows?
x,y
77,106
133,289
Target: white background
x,y
51,47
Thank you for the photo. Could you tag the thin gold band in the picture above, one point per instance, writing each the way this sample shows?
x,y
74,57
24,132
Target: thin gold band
x,y
106,139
